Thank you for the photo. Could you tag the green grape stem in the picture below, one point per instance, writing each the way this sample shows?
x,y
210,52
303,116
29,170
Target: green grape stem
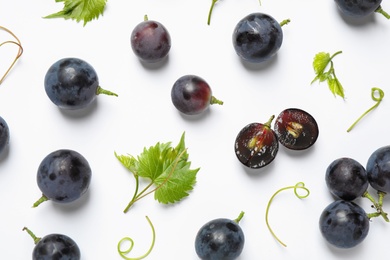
x,y
284,22
268,123
214,100
377,205
382,12
100,90
40,200
210,11
238,219
20,51
34,237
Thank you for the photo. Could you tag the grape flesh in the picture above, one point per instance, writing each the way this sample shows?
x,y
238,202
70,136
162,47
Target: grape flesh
x,y
358,8
191,95
256,145
150,41
378,169
4,134
64,176
257,37
56,246
344,224
219,239
296,129
346,179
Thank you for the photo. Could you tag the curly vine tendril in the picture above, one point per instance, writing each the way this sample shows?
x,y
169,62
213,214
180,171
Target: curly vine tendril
x,y
123,253
20,51
299,185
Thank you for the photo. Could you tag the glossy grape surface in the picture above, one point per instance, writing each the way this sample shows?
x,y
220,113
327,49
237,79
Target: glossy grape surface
x,y
358,8
219,239
4,134
344,224
150,41
378,169
71,83
346,178
56,246
296,129
64,176
257,37
191,94
256,145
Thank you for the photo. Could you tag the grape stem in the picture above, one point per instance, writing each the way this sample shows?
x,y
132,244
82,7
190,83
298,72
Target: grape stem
x,y
100,90
123,253
299,185
375,98
382,12
211,10
284,22
35,238
214,100
377,205
20,51
43,198
238,219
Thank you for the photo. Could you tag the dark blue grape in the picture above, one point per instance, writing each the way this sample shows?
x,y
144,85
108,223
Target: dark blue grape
x,y
358,8
346,178
72,83
192,95
344,224
378,169
257,37
150,41
4,134
63,176
219,239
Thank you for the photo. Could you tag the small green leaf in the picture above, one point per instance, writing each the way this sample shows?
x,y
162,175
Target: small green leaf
x,y
335,87
128,161
80,10
321,60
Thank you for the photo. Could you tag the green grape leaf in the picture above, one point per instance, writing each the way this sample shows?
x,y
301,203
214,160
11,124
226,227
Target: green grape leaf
x,y
80,10
321,60
335,87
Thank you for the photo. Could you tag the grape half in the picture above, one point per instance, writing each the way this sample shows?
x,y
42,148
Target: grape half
x,y
257,37
296,129
150,41
219,239
256,145
63,176
192,95
344,224
4,134
72,83
346,179
378,169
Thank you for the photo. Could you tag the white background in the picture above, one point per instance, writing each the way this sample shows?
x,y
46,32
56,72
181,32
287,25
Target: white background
x,y
143,114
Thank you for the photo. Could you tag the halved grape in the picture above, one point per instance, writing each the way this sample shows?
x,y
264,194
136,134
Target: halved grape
x,y
296,129
256,145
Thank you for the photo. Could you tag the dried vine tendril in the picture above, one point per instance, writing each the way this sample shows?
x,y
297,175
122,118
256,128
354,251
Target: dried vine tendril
x,y
299,185
123,253
374,97
20,51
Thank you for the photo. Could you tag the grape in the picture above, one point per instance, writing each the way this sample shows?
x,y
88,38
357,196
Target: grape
x,y
54,246
257,37
344,224
150,41
296,129
4,134
220,238
72,83
358,8
63,176
378,169
256,145
192,95
346,179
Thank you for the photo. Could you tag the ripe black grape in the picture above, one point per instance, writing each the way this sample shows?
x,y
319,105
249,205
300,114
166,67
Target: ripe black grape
x,y
150,41
296,129
54,246
4,134
192,95
378,169
346,179
72,83
344,224
63,176
257,37
256,145
220,239
358,8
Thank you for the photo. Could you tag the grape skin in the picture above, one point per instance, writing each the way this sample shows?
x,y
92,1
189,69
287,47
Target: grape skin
x,y
358,8
257,37
219,239
56,246
4,134
150,41
344,224
64,176
71,83
378,169
346,179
